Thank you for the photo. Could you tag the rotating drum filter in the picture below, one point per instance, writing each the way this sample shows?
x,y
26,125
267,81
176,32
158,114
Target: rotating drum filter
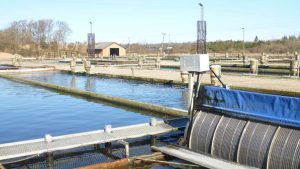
x,y
285,150
226,138
202,131
254,144
250,143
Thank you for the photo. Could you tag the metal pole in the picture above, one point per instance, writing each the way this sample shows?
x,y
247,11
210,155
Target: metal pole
x,y
128,45
243,41
202,11
190,93
91,24
162,44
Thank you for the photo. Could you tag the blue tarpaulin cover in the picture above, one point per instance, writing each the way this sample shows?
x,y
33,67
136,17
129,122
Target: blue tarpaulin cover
x,y
265,107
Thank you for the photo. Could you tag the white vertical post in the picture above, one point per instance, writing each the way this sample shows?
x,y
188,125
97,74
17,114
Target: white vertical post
x,y
126,146
191,88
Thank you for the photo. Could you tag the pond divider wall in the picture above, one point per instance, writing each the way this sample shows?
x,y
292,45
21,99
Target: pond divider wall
x,y
179,83
102,97
240,68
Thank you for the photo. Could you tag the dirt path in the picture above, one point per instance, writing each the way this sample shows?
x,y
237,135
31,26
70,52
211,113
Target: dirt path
x,y
5,56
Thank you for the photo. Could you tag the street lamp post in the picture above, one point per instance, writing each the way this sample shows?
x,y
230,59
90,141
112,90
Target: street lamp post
x,y
162,44
128,45
91,25
243,41
202,11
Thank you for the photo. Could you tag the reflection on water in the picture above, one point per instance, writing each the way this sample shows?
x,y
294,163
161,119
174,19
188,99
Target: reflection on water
x,y
29,113
185,97
73,81
90,83
166,95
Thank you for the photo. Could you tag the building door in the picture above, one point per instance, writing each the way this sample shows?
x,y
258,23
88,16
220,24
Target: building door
x,y
114,51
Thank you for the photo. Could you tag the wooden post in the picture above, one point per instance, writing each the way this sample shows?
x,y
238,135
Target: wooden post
x,y
226,55
140,62
184,77
14,61
244,59
262,58
217,70
254,66
87,66
297,57
294,68
157,63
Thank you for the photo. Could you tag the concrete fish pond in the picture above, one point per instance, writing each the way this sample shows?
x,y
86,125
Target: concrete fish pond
x,y
28,113
165,95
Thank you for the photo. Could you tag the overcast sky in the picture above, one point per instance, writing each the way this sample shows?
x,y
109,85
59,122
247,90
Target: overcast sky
x,y
145,20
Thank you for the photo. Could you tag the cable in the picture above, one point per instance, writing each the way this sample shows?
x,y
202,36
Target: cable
x,y
217,77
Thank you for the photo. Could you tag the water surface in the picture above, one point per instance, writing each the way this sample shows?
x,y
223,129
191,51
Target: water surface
x,y
165,95
27,112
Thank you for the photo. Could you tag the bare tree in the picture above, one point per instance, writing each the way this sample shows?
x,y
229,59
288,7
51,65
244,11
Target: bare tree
x,y
61,32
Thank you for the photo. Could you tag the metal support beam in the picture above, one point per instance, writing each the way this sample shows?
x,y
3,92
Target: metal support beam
x,y
97,146
126,144
153,140
50,160
108,148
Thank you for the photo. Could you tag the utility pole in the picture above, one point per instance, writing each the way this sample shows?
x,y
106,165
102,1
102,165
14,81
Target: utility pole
x,y
162,44
128,45
202,11
91,26
243,41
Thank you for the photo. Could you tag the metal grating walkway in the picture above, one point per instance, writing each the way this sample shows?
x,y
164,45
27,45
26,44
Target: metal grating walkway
x,y
39,146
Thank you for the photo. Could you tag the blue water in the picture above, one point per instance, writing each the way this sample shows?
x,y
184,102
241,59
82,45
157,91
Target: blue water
x,y
28,113
169,68
166,95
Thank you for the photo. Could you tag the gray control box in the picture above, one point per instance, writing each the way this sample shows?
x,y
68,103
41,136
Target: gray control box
x,y
194,63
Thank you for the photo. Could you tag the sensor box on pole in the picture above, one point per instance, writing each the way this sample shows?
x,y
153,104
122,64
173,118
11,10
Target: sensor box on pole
x,y
194,63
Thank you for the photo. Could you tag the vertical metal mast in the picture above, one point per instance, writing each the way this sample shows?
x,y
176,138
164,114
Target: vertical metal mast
x,y
91,42
201,32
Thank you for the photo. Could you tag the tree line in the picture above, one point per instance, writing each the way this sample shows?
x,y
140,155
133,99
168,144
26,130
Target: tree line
x,y
31,37
283,45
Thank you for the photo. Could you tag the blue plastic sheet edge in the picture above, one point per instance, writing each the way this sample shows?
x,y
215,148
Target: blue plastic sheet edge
x,y
276,109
